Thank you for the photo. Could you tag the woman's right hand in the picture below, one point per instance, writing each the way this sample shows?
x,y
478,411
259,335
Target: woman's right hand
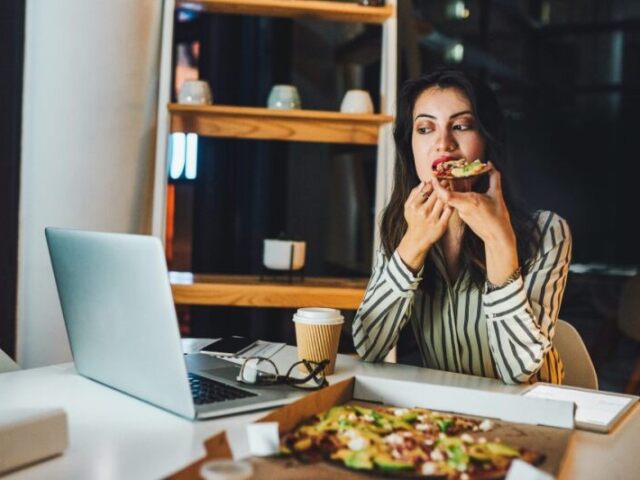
x,y
427,219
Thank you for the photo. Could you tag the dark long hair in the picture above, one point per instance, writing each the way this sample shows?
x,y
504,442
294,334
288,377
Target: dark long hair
x,y
489,121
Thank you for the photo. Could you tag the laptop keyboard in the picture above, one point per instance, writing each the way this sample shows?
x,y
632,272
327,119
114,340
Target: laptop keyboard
x,y
204,390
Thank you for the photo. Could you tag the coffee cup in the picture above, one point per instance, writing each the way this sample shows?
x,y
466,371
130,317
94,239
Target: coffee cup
x,y
195,92
284,97
356,101
283,254
318,335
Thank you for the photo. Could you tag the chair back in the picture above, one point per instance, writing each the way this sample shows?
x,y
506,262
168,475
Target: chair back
x,y
578,367
629,309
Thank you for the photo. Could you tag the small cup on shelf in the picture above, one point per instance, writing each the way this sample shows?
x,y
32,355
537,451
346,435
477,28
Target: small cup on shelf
x,y
356,101
284,97
196,92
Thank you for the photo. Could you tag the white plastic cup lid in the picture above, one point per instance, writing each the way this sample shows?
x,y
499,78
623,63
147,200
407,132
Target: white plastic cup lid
x,y
226,470
318,315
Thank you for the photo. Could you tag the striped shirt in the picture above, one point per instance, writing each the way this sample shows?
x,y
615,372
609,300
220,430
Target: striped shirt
x,y
505,333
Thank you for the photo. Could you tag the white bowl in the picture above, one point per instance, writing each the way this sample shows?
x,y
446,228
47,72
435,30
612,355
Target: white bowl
x,y
357,101
196,92
283,254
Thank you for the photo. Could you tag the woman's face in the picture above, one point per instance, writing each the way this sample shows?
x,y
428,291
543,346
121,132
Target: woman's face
x,y
443,128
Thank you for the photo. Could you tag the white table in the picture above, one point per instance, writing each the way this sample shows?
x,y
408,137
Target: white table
x,y
114,436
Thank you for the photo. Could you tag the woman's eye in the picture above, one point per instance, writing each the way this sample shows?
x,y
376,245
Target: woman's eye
x,y
462,127
423,130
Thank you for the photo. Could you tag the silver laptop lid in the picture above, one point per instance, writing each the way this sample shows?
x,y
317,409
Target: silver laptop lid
x,y
118,309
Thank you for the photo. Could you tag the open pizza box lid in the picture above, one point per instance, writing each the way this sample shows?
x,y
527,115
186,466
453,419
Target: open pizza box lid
x,y
539,424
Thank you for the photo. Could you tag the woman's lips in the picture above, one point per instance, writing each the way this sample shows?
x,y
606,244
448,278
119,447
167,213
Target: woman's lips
x,y
439,160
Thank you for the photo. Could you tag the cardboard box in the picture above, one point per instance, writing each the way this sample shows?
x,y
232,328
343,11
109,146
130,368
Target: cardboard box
x,y
538,424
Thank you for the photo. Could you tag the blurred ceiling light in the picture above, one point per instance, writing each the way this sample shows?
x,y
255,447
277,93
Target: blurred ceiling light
x,y
454,53
457,9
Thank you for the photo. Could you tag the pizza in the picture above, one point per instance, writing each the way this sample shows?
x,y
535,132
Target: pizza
x,y
404,442
459,168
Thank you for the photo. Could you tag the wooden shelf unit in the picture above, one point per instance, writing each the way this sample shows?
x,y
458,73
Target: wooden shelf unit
x,y
250,291
271,124
268,124
324,10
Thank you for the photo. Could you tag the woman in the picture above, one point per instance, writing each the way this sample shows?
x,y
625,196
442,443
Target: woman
x,y
480,279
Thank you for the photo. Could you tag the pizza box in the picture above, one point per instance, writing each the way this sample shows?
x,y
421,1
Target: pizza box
x,y
543,425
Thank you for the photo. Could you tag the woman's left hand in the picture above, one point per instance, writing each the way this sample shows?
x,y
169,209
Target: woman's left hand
x,y
484,213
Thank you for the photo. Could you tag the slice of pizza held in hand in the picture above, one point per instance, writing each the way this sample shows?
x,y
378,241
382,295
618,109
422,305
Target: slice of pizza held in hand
x,y
459,168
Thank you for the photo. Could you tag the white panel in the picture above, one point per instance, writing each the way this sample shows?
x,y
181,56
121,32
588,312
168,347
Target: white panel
x,y
386,146
89,117
164,96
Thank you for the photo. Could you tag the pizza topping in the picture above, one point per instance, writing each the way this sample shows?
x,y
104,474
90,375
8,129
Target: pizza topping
x,y
485,425
501,449
303,444
350,433
410,440
458,168
437,455
358,443
444,424
428,468
385,462
392,439
468,169
466,438
457,457
360,460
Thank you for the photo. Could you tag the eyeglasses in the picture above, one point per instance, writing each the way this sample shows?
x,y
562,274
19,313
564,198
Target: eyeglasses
x,y
303,374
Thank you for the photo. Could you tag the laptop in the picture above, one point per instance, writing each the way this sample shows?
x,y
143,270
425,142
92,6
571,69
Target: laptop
x,y
123,331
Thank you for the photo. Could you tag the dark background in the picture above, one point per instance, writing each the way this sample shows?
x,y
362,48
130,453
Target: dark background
x,y
12,16
565,73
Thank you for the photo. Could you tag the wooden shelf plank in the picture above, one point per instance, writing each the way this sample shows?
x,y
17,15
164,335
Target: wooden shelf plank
x,y
250,291
325,10
270,124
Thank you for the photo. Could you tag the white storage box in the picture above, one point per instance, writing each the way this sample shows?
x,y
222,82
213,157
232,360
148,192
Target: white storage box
x,y
29,435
